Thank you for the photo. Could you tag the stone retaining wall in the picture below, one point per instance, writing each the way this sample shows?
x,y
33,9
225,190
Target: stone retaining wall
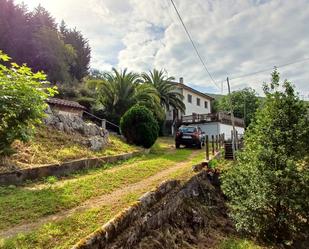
x,y
61,169
151,211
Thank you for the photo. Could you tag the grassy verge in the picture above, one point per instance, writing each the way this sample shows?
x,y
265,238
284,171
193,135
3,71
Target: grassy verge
x,y
21,204
66,232
238,243
64,147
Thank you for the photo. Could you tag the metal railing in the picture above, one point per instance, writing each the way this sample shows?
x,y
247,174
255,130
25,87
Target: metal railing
x,y
104,123
211,117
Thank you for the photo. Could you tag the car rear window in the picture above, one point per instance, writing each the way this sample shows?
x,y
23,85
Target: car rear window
x,y
187,129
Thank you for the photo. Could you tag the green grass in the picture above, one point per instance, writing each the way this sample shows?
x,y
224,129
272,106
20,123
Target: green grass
x,y
21,204
237,243
66,232
64,147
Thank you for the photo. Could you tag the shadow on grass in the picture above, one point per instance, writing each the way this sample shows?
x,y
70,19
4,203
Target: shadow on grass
x,y
20,204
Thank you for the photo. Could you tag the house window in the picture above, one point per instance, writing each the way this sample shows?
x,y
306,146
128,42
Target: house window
x,y
198,101
206,104
189,98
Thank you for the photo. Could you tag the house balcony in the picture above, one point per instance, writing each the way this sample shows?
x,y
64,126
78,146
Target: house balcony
x,y
221,117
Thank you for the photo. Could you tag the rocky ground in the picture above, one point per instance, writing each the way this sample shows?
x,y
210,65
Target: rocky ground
x,y
198,223
95,137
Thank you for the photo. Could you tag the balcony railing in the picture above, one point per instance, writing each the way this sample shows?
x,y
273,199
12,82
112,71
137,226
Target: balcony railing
x,y
212,117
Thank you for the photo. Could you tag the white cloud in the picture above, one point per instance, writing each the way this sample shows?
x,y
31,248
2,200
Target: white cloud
x,y
234,37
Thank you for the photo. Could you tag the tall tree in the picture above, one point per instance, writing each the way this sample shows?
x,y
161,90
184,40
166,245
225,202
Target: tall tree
x,y
15,32
169,96
245,103
41,18
80,68
53,55
33,38
268,188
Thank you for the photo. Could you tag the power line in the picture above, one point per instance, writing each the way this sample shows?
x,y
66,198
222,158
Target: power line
x,y
265,70
193,44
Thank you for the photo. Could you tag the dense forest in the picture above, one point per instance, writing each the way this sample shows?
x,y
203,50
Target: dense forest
x,y
34,38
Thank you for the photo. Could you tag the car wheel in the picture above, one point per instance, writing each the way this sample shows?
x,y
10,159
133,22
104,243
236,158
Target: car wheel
x,y
200,145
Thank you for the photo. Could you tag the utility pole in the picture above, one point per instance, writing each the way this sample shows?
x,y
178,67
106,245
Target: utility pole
x,y
232,117
245,110
221,87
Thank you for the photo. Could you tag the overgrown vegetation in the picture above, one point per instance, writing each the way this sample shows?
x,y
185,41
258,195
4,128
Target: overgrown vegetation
x,y
245,103
268,189
64,147
22,102
139,126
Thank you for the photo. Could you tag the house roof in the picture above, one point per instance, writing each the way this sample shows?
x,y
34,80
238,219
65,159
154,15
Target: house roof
x,y
193,90
63,102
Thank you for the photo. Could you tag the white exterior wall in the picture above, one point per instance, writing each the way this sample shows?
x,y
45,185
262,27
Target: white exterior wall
x,y
193,107
216,128
226,129
210,128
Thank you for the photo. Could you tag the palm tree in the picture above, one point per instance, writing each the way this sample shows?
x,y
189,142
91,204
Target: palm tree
x,y
169,97
119,90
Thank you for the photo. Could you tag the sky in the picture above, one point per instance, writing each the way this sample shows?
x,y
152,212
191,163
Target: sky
x,y
234,38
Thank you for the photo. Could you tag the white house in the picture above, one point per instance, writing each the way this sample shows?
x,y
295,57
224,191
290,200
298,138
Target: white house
x,y
198,112
196,102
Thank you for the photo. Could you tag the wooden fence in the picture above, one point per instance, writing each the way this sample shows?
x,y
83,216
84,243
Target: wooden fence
x,y
213,143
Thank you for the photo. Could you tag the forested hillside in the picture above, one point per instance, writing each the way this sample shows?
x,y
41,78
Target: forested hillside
x,y
34,38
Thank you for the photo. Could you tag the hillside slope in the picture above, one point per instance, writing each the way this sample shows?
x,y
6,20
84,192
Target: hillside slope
x,y
53,146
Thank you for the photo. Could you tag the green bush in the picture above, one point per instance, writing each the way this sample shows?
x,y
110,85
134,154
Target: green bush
x,y
22,102
268,187
139,126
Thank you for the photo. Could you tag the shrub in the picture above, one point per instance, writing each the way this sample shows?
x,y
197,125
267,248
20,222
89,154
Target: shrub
x,y
22,102
139,126
268,188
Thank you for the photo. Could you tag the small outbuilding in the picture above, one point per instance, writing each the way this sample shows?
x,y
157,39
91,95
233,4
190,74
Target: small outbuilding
x,y
65,107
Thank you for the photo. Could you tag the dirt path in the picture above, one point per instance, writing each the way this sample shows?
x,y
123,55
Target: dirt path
x,y
107,199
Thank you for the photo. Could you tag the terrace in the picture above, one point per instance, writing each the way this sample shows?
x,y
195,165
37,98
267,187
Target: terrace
x,y
221,117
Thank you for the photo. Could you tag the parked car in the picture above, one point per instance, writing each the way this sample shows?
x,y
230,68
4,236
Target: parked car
x,y
190,135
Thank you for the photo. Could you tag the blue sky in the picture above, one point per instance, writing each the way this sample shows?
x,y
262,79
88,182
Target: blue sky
x,y
234,37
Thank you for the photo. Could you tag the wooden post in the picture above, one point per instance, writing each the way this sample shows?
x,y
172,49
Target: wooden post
x,y
236,140
221,140
217,145
207,147
213,144
103,124
232,116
